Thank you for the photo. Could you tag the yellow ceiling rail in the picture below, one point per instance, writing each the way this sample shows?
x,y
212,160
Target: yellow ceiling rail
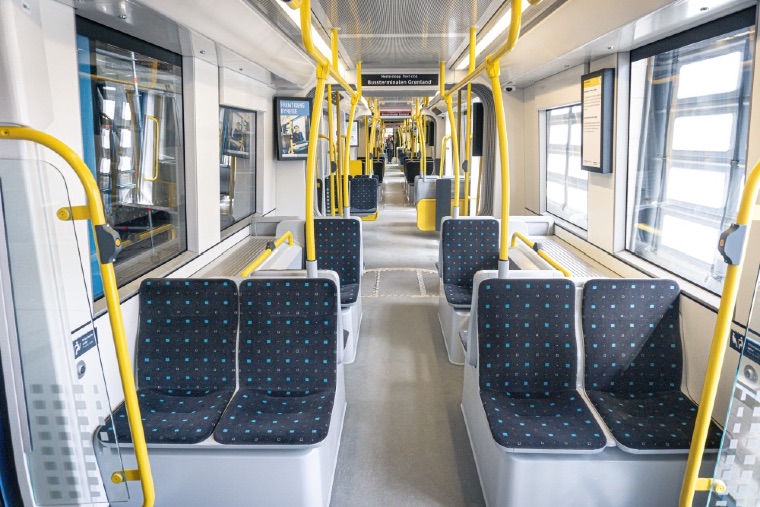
x,y
258,261
733,246
106,255
536,247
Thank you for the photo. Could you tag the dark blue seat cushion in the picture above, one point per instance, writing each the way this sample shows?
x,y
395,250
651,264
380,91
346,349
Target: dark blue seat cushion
x,y
661,421
560,421
338,248
467,246
260,417
363,193
458,295
170,416
632,336
186,335
349,293
526,330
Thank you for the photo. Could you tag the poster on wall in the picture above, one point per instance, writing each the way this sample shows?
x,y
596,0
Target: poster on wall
x,y
597,104
355,134
292,120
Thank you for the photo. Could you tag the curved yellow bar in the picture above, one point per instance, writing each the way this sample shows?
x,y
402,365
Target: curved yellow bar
x,y
545,256
305,10
97,217
721,335
311,157
288,236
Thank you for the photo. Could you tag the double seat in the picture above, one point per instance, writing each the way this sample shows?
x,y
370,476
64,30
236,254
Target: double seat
x,y
582,381
250,364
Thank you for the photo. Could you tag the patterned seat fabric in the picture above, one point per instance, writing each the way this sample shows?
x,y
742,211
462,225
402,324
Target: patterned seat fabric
x,y
634,363
363,192
467,246
287,363
185,360
457,295
338,244
378,169
528,363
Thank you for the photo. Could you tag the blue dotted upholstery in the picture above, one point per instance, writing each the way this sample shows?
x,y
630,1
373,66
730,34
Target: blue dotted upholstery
x,y
411,170
634,363
363,192
378,169
185,360
467,246
287,363
528,364
338,248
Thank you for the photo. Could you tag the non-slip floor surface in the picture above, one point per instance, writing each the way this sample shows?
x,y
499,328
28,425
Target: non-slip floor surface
x,y
404,439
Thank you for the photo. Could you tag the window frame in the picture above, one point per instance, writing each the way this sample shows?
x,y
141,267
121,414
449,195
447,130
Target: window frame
x,y
671,260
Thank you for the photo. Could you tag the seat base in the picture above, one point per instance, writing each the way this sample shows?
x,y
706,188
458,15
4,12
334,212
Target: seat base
x,y
351,319
452,320
210,473
609,477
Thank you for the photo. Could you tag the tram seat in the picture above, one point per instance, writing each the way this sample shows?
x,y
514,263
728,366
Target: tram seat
x,y
287,363
468,245
339,248
424,188
634,364
185,360
528,359
364,196
278,439
513,468
378,169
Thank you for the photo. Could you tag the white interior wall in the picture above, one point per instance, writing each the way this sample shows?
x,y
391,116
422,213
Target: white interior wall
x,y
201,104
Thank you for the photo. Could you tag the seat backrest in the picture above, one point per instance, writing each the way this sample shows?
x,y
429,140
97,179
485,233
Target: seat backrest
x,y
631,333
411,169
363,193
468,245
338,247
186,335
378,169
526,335
288,334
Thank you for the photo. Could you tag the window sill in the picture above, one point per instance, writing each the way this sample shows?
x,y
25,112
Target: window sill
x,y
569,226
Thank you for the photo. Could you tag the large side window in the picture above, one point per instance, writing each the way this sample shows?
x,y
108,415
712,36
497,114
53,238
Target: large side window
x,y
566,182
237,167
689,126
131,100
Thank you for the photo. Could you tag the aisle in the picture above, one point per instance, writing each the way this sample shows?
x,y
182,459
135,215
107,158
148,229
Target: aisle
x,y
404,440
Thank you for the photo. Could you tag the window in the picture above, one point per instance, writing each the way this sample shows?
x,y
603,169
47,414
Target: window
x,y
237,167
689,121
131,102
566,182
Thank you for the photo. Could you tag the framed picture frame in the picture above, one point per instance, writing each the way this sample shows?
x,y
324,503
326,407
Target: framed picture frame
x,y
292,122
597,115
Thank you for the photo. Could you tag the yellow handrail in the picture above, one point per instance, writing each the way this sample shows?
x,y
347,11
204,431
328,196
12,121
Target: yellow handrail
x,y
721,334
491,67
258,261
97,218
441,170
468,128
541,253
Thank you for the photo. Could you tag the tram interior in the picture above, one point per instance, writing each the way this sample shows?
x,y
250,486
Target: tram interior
x,y
358,252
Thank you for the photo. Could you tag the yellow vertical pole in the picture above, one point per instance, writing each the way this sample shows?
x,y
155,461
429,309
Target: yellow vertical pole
x,y
721,335
468,128
311,167
331,149
454,144
347,151
366,143
339,148
375,121
493,71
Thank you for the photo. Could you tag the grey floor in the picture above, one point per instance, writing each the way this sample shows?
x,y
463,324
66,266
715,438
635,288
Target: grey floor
x,y
404,440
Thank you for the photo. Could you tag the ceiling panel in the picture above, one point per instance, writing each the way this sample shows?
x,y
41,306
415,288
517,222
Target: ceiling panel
x,y
400,52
